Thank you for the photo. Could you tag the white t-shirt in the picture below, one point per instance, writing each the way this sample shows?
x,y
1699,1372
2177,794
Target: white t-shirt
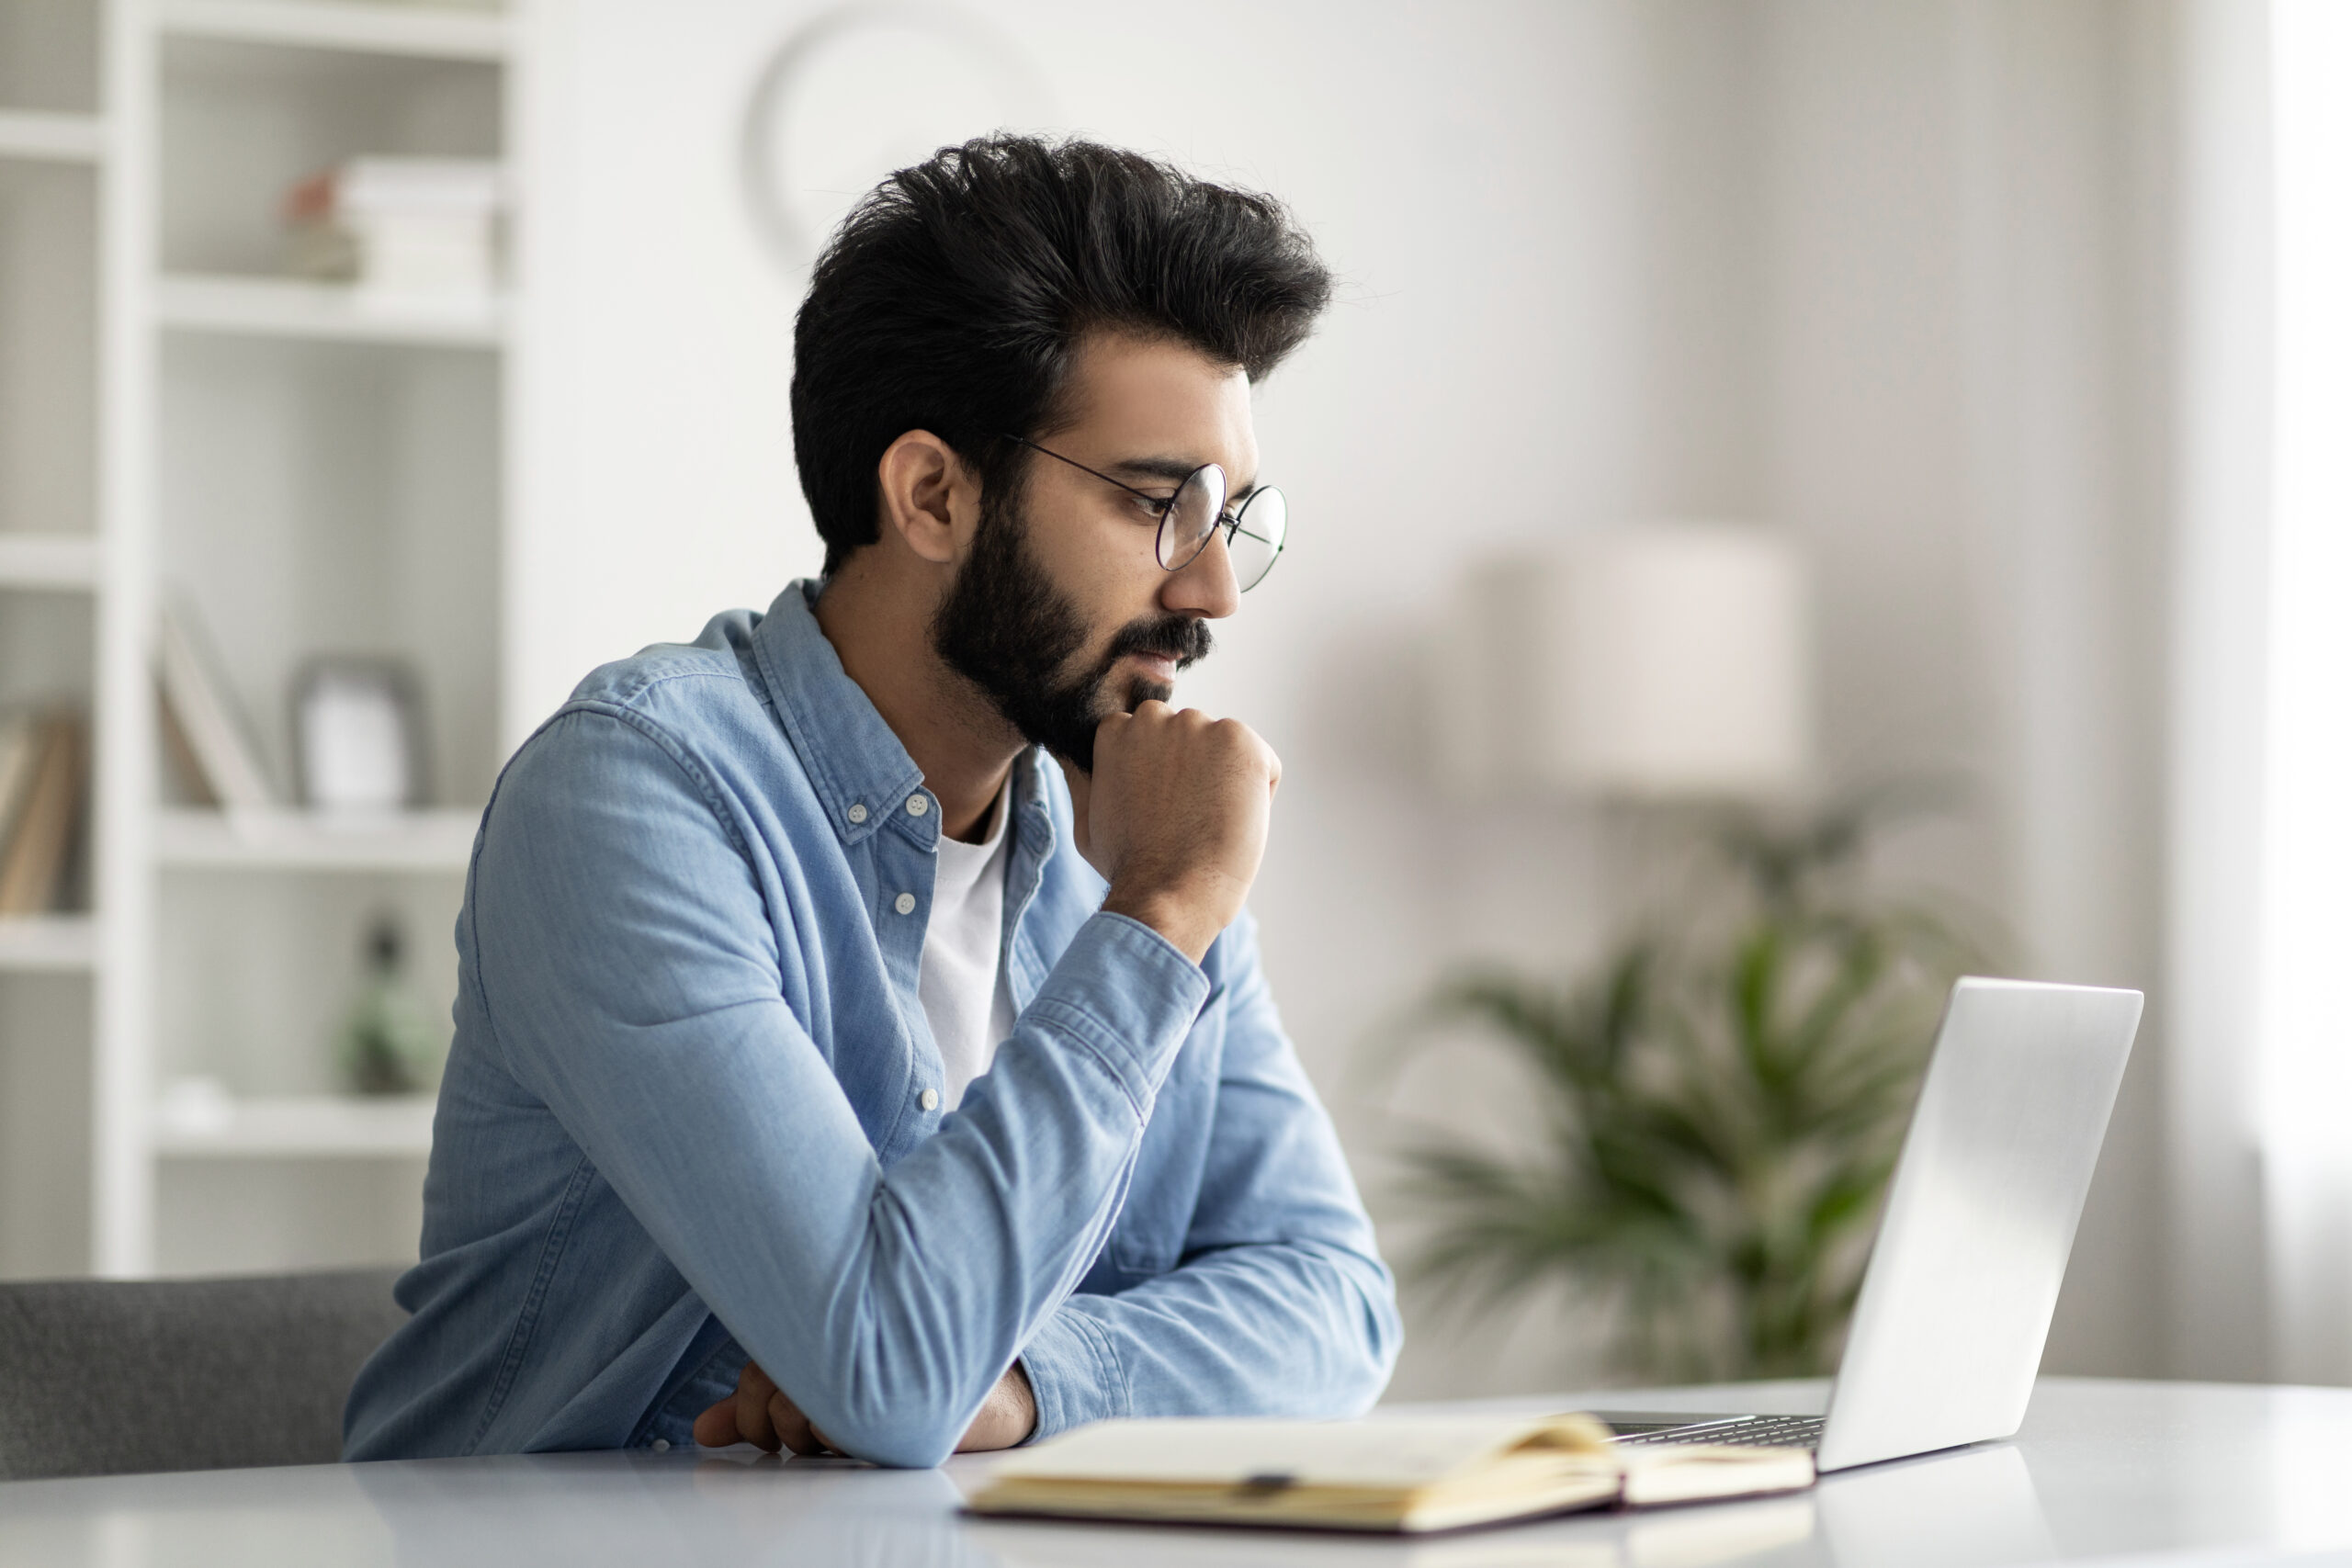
x,y
963,990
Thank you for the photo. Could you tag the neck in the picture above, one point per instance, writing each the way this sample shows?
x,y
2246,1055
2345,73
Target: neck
x,y
882,636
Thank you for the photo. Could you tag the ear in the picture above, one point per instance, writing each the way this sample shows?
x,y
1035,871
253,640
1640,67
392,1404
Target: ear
x,y
930,497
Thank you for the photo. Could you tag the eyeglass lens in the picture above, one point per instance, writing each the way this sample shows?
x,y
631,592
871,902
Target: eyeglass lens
x,y
1185,526
1255,541
1257,535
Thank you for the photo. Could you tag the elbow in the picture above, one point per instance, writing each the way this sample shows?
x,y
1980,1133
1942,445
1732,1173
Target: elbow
x,y
900,1445
911,1431
1381,1335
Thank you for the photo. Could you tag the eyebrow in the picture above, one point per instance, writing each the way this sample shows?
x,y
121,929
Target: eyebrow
x,y
1175,470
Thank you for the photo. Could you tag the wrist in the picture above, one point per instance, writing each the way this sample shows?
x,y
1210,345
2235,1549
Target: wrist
x,y
1188,926
1006,1417
1021,1401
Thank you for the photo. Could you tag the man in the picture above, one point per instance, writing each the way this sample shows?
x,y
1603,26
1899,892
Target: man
x,y
832,1068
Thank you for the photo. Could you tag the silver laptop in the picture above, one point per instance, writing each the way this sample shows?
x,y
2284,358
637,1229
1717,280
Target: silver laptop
x,y
1955,1303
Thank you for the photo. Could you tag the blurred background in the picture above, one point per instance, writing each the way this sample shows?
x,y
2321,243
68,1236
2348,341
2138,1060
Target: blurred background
x,y
1905,442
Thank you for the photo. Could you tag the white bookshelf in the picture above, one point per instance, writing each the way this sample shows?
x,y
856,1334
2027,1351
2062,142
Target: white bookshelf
x,y
48,945
300,1127
318,470
432,32
60,138
298,840
282,308
48,561
55,147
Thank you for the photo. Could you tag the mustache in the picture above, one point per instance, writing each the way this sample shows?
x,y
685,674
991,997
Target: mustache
x,y
1184,638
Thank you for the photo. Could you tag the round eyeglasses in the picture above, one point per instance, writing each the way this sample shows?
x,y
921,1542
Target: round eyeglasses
x,y
1254,533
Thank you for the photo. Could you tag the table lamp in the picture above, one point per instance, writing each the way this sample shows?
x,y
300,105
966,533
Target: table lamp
x,y
1653,661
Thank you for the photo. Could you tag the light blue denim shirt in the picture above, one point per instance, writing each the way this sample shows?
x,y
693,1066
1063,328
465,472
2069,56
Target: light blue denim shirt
x,y
691,1113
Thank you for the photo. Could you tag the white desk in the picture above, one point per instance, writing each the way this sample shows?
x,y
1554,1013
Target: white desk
x,y
2196,1473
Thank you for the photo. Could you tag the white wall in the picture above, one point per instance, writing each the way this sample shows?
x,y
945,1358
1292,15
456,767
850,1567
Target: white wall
x,y
1616,258
2217,1275
1965,415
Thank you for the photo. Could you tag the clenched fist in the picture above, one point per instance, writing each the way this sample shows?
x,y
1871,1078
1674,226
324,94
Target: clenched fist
x,y
1174,817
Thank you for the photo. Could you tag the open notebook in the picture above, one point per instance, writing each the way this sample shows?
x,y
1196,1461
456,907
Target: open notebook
x,y
1394,1474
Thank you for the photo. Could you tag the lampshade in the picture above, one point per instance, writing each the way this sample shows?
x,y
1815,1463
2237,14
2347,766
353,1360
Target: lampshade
x,y
1653,660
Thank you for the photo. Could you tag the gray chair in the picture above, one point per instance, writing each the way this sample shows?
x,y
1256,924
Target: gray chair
x,y
107,1376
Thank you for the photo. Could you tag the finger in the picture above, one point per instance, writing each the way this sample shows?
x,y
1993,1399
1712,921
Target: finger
x,y
792,1428
1253,746
715,1428
1112,733
753,1390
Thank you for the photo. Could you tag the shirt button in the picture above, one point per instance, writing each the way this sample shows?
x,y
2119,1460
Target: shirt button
x,y
857,812
905,904
916,805
931,1099
660,1445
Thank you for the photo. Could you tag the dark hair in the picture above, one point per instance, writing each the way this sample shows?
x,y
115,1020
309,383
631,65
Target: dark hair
x,y
953,297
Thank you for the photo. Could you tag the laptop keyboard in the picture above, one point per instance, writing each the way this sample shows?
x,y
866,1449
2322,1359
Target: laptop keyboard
x,y
1749,1431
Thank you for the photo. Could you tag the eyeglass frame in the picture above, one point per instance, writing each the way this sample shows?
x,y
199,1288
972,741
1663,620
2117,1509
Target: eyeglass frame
x,y
1231,524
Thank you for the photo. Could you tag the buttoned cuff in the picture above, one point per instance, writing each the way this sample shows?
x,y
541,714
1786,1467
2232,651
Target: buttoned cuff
x,y
1127,994
1074,1374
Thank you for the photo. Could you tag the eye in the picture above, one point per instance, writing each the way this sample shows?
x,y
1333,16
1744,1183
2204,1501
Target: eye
x,y
1153,506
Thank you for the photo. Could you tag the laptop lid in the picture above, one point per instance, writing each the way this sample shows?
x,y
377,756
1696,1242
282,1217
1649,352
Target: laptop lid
x,y
1956,1300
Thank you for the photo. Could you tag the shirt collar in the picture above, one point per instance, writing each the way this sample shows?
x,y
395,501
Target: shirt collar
x,y
860,772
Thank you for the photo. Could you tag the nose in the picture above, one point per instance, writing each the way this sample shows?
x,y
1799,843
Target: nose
x,y
1206,585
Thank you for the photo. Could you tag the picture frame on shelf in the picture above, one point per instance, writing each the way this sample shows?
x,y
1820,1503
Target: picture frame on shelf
x,y
359,735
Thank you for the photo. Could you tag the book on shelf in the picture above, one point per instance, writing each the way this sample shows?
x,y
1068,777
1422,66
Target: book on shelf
x,y
19,754
206,736
400,225
1395,1475
44,766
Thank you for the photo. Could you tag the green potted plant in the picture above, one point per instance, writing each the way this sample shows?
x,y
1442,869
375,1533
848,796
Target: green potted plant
x,y
1721,1104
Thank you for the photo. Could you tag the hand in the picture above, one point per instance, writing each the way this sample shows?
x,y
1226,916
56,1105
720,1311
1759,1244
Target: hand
x,y
1174,817
764,1414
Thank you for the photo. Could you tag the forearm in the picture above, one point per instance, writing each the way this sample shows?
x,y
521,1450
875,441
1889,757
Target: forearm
x,y
904,1301
886,1302
1295,1329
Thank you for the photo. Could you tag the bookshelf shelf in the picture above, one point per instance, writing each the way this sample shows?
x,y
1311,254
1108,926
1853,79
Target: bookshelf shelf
x,y
51,944
47,560
53,137
297,840
314,472
287,308
416,30
303,1127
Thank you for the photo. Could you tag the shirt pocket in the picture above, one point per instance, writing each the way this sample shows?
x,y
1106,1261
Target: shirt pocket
x,y
1166,1186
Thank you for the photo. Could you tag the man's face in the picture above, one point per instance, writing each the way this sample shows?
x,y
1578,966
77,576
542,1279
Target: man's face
x,y
1061,612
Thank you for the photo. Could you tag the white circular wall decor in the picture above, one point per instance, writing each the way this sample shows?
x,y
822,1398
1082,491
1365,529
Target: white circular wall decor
x,y
860,90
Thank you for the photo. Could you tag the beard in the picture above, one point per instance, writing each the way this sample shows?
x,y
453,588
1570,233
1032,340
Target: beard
x,y
1006,628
